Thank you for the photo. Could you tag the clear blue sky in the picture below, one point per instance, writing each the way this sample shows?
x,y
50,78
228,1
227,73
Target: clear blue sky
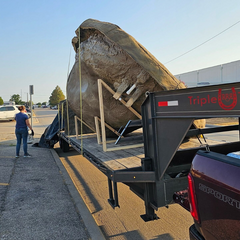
x,y
35,36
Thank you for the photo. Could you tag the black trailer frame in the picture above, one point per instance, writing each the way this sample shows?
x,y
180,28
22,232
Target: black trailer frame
x,y
167,120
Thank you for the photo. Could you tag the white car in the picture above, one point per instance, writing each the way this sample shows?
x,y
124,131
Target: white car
x,y
8,112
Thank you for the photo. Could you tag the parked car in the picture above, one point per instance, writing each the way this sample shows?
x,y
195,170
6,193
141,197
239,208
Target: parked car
x,y
8,112
28,112
54,107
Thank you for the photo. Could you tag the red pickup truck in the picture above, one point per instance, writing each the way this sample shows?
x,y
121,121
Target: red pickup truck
x,y
214,196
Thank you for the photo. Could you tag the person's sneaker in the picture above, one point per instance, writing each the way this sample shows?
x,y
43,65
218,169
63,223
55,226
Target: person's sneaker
x,y
27,155
17,156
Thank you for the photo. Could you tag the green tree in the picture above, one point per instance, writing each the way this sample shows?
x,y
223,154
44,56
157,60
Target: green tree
x,y
16,98
56,96
1,101
44,103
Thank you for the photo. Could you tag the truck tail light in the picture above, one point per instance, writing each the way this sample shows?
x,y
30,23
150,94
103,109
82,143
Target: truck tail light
x,y
192,198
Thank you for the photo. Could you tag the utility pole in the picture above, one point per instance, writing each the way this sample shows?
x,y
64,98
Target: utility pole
x,y
27,99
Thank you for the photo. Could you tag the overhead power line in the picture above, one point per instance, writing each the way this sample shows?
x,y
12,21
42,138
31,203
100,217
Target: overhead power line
x,y
203,43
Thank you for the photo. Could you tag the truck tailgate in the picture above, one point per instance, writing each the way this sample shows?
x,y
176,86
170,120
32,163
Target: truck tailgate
x,y
217,186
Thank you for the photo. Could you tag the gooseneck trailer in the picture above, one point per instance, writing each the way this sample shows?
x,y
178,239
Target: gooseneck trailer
x,y
155,162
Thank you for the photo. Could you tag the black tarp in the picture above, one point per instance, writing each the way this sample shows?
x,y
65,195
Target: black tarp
x,y
50,137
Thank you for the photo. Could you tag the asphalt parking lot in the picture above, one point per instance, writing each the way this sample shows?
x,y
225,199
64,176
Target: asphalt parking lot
x,y
37,197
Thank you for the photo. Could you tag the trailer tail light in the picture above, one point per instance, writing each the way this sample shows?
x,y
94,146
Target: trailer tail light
x,y
192,198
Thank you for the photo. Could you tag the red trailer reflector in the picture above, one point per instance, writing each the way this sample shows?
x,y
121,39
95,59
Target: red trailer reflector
x,y
168,103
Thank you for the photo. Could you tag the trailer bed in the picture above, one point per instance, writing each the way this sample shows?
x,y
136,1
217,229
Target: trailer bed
x,y
119,159
113,160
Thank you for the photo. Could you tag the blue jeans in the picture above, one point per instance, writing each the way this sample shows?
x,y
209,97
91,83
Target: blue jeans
x,y
21,133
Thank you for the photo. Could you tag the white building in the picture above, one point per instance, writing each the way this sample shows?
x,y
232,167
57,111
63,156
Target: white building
x,y
225,73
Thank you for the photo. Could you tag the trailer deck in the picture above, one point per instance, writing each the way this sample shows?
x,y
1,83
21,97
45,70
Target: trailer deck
x,y
112,160
120,159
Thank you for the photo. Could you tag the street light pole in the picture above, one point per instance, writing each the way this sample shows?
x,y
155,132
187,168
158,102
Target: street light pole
x,y
31,108
31,93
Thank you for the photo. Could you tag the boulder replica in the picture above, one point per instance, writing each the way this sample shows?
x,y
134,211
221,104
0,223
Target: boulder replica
x,y
108,53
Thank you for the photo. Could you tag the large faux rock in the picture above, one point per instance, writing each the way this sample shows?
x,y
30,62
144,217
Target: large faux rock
x,y
110,54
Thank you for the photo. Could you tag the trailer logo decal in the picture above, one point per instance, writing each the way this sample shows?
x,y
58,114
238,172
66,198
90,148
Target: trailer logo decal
x,y
227,101
168,103
227,97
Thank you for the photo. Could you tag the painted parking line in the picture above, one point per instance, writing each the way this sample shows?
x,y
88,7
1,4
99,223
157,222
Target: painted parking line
x,y
4,184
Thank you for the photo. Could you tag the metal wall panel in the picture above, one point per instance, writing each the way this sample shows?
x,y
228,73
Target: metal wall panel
x,y
230,72
225,73
190,78
210,75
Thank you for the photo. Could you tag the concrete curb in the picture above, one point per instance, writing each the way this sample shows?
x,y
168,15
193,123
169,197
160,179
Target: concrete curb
x,y
88,219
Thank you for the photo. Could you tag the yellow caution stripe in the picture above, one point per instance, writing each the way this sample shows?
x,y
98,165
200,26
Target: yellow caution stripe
x,y
4,184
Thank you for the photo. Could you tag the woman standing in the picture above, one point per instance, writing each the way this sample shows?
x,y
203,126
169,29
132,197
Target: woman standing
x,y
22,125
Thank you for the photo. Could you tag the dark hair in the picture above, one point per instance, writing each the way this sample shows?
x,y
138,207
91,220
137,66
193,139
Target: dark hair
x,y
21,108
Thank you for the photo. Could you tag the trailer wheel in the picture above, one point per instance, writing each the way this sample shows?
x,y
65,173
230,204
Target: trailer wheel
x,y
64,145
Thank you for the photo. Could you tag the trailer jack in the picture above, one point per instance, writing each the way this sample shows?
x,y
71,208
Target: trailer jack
x,y
149,217
149,208
113,194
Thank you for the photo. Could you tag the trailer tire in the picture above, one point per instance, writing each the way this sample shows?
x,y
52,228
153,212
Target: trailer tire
x,y
64,145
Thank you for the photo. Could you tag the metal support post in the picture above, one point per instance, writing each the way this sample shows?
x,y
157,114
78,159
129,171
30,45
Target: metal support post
x,y
31,109
113,200
148,193
31,93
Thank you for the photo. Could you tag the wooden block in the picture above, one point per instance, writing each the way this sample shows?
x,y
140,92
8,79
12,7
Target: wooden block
x,y
123,86
134,97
